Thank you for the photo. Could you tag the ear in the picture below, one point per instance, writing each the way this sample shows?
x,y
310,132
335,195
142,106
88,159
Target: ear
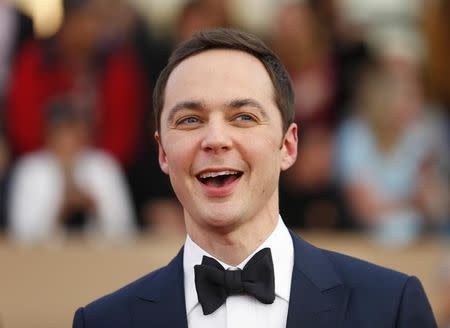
x,y
289,147
161,154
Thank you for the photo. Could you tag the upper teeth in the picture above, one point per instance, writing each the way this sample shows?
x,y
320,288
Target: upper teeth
x,y
216,174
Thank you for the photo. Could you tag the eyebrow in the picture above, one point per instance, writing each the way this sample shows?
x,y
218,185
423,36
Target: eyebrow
x,y
201,106
188,104
247,102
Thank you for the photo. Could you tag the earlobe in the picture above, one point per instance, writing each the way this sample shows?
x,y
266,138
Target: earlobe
x,y
161,155
289,149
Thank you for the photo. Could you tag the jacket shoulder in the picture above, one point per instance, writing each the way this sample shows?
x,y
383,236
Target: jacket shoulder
x,y
375,290
327,268
113,310
359,273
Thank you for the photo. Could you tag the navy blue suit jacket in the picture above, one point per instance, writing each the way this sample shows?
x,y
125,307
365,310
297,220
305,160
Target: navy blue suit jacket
x,y
328,290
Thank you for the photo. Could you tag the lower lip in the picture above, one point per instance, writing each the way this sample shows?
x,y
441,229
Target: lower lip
x,y
217,192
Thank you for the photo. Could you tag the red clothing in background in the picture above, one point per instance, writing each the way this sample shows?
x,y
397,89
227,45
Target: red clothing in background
x,y
315,92
119,100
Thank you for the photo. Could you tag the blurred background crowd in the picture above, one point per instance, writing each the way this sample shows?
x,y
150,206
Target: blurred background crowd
x,y
372,87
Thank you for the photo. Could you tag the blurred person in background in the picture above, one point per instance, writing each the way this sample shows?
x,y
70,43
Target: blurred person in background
x,y
303,46
387,159
199,15
68,184
97,67
310,198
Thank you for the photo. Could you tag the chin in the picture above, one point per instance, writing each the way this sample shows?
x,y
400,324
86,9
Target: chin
x,y
221,221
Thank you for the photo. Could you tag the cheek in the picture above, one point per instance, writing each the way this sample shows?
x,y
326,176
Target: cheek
x,y
264,138
264,153
179,154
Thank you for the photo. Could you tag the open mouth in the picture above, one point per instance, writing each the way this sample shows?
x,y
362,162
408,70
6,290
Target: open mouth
x,y
219,179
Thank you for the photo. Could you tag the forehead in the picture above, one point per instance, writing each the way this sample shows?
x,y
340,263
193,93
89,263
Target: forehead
x,y
216,76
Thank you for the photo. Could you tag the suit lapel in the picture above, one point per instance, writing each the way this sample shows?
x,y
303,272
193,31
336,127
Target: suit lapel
x,y
318,296
160,302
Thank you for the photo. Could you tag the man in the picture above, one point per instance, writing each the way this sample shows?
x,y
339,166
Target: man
x,y
224,127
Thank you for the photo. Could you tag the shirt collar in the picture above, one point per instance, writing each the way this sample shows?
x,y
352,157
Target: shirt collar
x,y
282,249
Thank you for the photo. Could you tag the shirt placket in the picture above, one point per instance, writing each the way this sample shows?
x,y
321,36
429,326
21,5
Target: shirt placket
x,y
240,312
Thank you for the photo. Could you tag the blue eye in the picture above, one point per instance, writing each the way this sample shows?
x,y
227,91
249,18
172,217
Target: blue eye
x,y
189,120
245,117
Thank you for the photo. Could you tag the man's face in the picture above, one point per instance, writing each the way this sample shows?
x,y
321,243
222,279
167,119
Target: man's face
x,y
221,140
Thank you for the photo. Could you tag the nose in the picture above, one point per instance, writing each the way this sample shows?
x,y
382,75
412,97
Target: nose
x,y
217,137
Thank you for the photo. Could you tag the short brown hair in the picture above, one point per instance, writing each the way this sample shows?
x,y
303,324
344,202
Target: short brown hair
x,y
224,38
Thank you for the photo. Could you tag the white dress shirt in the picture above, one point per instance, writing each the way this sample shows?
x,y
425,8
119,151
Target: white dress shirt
x,y
243,310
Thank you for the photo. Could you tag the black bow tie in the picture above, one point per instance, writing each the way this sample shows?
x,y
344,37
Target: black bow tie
x,y
214,284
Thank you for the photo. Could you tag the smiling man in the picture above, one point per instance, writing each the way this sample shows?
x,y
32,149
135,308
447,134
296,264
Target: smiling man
x,y
224,110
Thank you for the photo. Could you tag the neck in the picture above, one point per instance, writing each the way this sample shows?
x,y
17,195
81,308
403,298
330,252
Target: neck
x,y
233,245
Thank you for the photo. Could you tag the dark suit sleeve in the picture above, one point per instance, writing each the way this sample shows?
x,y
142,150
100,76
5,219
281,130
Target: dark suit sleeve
x,y
415,310
78,320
